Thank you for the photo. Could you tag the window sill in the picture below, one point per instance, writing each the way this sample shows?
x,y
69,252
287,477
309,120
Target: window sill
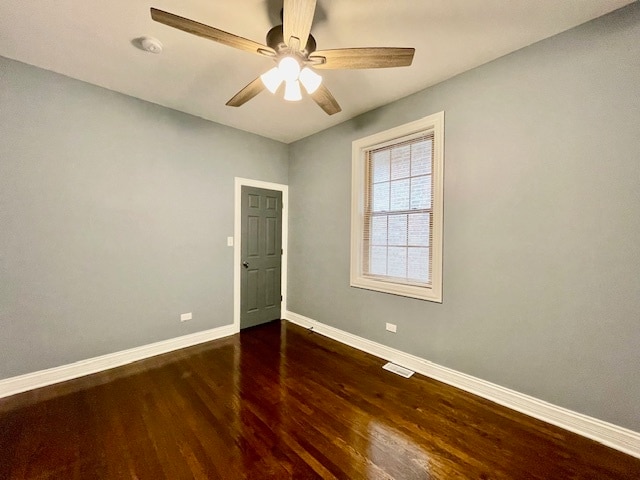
x,y
412,291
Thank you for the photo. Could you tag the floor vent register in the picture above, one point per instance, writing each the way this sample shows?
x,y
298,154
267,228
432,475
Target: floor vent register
x,y
403,372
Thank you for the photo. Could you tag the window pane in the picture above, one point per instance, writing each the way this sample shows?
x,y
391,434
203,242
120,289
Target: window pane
x,y
378,261
418,268
380,166
421,154
381,197
379,230
419,229
421,192
398,230
397,262
400,162
400,195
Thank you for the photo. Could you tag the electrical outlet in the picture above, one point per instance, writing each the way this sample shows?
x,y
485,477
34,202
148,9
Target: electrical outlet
x,y
391,327
229,241
186,316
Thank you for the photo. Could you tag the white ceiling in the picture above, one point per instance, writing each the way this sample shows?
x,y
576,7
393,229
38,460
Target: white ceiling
x,y
91,40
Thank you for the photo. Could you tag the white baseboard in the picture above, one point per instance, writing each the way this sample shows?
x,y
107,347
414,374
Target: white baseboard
x,y
42,378
620,438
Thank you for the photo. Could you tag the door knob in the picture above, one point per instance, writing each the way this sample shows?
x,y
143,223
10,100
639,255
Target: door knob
x,y
245,264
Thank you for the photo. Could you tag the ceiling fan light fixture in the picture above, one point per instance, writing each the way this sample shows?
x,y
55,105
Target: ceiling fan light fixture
x,y
272,79
310,80
292,91
289,69
293,47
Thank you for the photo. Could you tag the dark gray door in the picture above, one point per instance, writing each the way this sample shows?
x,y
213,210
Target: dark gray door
x,y
261,256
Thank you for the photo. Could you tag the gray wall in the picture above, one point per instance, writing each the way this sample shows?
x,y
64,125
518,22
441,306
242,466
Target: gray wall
x,y
542,223
114,215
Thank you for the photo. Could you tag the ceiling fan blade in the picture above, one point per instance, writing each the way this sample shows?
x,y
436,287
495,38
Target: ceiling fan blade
x,y
247,93
377,57
205,31
322,96
297,20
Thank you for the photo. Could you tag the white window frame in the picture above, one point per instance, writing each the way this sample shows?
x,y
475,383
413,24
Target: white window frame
x,y
433,123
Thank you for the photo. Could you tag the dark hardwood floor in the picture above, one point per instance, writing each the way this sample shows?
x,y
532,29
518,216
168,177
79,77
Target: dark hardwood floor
x,y
281,402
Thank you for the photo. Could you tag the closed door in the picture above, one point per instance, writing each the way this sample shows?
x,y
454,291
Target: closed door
x,y
261,256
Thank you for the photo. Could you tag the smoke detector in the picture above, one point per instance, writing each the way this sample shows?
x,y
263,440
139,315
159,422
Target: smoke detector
x,y
148,44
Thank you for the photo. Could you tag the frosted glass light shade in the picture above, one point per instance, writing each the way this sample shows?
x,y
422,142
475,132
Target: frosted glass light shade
x,y
310,80
289,69
292,91
272,79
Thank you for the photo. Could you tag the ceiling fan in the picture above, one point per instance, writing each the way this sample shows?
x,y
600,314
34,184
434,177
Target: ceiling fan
x,y
293,48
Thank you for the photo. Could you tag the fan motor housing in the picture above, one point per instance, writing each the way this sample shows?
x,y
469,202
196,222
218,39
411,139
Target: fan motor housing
x,y
275,40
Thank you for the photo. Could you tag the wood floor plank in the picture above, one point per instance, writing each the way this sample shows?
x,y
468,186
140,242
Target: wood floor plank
x,y
277,402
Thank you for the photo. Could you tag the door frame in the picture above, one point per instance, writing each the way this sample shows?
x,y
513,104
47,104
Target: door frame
x,y
237,241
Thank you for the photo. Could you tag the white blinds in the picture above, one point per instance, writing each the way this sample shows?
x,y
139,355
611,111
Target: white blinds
x,y
398,216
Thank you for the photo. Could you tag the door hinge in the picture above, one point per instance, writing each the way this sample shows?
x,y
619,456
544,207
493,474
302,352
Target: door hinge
x,y
281,251
280,297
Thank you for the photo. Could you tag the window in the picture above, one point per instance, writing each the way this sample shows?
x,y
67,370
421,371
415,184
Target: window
x,y
396,214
